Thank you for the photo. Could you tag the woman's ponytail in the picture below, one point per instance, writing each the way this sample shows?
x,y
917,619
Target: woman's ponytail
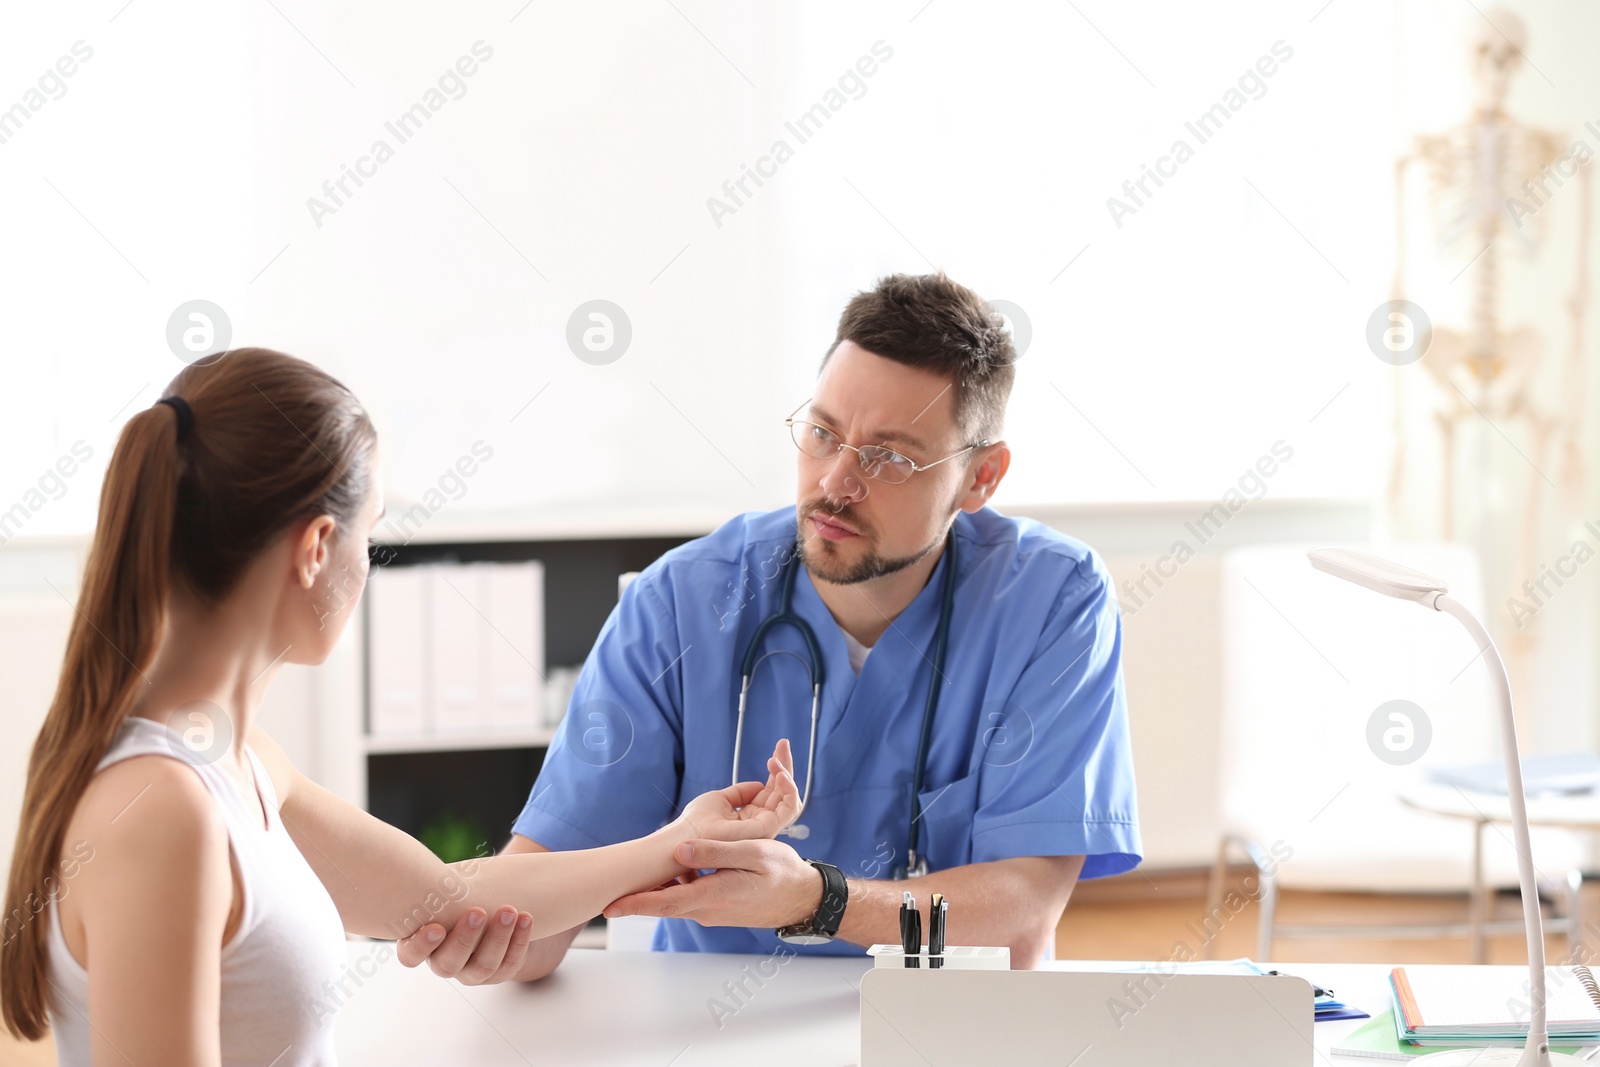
x,y
195,490
116,628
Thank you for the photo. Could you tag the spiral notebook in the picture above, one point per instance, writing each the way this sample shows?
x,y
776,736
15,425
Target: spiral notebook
x,y
1492,1003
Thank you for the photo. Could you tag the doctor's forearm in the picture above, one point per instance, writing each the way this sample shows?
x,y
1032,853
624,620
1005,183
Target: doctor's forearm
x,y
1016,903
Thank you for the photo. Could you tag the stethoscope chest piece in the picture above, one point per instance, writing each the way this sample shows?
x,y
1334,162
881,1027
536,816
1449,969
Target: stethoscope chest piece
x,y
918,868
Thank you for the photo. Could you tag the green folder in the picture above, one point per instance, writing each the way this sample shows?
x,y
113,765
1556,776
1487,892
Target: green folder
x,y
1376,1039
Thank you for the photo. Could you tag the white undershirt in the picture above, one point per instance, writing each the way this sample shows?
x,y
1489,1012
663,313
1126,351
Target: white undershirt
x,y
858,651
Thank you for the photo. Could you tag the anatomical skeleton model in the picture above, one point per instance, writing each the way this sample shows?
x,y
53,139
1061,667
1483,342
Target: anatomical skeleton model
x,y
1491,180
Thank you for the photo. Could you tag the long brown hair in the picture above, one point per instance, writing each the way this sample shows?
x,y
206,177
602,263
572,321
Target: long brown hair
x,y
274,440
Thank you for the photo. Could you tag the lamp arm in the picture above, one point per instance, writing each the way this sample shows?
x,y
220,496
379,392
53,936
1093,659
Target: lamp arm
x,y
1536,1050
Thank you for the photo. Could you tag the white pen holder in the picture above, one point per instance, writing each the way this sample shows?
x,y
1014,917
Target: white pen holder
x,y
956,957
956,1017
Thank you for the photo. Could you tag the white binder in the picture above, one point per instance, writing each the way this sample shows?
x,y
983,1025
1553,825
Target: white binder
x,y
514,604
458,648
934,1018
398,638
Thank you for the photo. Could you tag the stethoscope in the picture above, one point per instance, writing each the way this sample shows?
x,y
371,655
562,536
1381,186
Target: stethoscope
x,y
916,864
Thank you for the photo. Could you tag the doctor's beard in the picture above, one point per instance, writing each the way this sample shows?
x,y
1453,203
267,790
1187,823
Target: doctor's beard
x,y
823,559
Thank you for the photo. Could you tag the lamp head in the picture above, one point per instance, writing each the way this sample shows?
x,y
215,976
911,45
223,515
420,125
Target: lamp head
x,y
1378,574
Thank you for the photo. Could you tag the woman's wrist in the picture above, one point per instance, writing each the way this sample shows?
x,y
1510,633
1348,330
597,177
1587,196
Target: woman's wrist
x,y
665,841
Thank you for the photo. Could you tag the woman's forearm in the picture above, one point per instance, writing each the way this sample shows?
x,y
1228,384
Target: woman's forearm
x,y
387,884
565,889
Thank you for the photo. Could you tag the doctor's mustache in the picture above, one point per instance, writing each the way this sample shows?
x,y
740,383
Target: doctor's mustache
x,y
842,513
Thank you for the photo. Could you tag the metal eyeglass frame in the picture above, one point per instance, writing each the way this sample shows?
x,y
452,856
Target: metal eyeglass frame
x,y
861,459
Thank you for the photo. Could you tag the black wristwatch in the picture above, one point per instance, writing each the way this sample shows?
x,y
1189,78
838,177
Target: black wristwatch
x,y
824,925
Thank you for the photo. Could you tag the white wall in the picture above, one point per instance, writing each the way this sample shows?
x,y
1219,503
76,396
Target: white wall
x,y
33,636
578,163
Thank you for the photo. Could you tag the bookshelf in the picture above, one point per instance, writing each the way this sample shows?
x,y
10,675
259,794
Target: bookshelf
x,y
456,784
462,742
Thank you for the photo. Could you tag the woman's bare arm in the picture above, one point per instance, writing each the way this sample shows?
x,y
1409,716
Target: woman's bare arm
x,y
153,908
387,884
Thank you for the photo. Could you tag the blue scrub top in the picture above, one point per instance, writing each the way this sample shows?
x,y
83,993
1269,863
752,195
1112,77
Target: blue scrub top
x,y
1030,753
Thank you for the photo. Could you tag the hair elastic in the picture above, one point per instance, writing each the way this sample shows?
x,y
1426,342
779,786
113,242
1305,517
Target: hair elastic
x,y
185,415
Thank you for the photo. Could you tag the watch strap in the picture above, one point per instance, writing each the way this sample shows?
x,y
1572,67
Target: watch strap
x,y
823,925
835,894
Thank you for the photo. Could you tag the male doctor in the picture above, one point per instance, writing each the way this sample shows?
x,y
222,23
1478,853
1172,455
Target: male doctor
x,y
1028,784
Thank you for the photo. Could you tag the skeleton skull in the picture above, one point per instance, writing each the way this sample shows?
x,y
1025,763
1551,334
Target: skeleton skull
x,y
1496,42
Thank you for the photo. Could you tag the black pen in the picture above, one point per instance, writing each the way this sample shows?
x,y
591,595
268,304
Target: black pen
x,y
936,919
1316,990
911,930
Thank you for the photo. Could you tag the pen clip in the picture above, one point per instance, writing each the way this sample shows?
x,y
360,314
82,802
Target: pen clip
x,y
937,912
1316,990
910,929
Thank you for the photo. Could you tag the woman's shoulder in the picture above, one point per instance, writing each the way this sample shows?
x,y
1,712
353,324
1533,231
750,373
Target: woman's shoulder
x,y
146,839
127,790
148,813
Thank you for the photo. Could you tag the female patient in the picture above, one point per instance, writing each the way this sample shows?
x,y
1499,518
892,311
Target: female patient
x,y
179,896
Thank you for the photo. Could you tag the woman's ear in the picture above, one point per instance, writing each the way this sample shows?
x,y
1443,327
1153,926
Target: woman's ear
x,y
312,548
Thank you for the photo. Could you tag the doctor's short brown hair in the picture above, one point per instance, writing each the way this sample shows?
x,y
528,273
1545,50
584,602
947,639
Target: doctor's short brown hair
x,y
929,321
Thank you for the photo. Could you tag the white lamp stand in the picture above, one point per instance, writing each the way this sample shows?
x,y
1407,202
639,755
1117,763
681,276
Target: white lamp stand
x,y
1391,579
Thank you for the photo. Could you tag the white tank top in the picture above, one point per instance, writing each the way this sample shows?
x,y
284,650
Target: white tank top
x,y
280,970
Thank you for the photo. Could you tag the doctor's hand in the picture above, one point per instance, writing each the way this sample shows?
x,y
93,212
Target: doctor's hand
x,y
747,810
480,950
755,883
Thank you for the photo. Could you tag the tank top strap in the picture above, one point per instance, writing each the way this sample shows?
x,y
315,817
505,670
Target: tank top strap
x,y
139,736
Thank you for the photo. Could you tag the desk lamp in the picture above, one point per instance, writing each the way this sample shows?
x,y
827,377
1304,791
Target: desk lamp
x,y
1391,579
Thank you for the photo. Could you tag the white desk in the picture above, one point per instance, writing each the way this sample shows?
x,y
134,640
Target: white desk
x,y
649,1009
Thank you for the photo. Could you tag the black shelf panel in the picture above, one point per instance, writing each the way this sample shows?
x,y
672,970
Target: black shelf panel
x,y
481,789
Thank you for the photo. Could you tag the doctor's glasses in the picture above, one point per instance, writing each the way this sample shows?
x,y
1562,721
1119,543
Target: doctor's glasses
x,y
877,461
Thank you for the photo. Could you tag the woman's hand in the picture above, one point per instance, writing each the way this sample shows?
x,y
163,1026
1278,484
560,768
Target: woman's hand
x,y
748,810
729,828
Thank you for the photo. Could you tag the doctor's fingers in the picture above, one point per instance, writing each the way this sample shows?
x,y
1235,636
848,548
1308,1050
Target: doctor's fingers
x,y
516,952
473,953
499,955
418,948
679,901
757,854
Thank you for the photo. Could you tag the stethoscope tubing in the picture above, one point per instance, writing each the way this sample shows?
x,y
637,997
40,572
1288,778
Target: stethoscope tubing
x,y
785,615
